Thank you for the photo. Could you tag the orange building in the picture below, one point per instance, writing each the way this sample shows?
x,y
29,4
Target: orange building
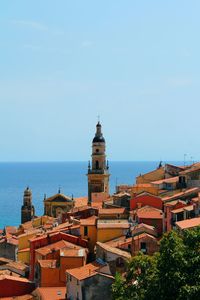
x,y
51,272
145,198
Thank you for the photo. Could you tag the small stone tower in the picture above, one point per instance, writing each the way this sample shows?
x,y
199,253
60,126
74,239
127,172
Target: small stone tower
x,y
27,210
98,172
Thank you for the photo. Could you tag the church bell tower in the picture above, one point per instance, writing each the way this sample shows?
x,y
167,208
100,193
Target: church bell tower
x,y
27,210
98,171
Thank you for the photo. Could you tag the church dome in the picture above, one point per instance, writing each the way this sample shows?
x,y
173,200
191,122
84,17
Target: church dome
x,y
98,139
98,136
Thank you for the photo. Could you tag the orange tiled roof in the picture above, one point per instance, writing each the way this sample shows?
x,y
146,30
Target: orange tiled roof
x,y
18,265
97,205
73,252
84,271
89,221
192,168
107,224
114,250
14,278
166,180
108,211
148,212
56,247
119,242
181,194
47,263
81,201
189,223
143,235
51,293
187,208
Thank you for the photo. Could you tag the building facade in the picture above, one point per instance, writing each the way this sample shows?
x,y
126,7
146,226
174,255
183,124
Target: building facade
x,y
98,171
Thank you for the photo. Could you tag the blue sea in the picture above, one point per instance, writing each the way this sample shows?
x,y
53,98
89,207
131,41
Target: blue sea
x,y
46,178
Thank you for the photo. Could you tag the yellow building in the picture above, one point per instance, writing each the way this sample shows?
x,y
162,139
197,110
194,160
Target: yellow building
x,y
58,204
88,231
111,229
23,253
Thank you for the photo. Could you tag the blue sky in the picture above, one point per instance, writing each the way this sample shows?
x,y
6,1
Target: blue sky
x,y
134,63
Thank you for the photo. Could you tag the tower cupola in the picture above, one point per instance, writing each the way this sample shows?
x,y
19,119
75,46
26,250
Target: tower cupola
x,y
98,135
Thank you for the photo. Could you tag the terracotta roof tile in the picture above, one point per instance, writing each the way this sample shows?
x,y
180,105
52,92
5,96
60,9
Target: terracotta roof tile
x,y
187,192
89,221
56,247
108,211
120,223
189,223
81,201
148,212
114,250
47,263
84,271
51,293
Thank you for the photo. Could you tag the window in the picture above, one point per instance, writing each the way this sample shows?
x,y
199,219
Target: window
x,y
97,150
143,247
85,230
97,164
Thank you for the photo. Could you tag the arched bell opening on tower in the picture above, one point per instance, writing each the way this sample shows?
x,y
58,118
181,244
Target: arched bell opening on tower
x,y
97,164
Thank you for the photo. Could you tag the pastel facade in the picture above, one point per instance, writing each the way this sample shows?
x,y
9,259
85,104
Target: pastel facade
x,y
58,204
110,229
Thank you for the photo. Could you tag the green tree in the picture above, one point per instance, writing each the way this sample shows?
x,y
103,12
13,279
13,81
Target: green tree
x,y
171,274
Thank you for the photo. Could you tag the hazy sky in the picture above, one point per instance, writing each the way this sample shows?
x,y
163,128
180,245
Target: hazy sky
x,y
136,63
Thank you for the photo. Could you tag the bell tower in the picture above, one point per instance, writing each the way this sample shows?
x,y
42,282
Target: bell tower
x,y
98,171
27,210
